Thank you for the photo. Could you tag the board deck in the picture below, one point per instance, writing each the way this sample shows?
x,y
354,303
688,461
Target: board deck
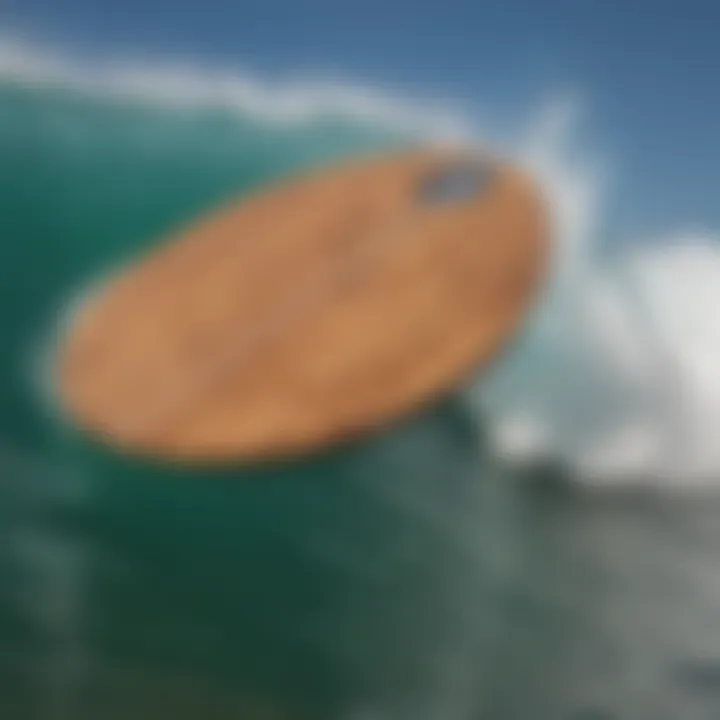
x,y
321,308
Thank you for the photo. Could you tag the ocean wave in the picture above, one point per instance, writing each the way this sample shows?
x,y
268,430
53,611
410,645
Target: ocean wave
x,y
617,374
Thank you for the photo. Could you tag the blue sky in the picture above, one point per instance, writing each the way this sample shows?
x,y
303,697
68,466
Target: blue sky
x,y
646,69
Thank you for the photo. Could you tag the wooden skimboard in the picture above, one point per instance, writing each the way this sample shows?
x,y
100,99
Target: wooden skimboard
x,y
322,308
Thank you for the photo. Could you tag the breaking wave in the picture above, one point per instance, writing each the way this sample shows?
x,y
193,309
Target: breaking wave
x,y
617,375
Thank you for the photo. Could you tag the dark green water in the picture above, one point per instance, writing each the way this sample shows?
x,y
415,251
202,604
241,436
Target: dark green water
x,y
407,577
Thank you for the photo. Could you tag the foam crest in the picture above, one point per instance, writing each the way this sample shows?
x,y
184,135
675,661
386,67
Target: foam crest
x,y
292,102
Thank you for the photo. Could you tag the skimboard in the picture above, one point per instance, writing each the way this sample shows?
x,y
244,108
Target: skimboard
x,y
319,309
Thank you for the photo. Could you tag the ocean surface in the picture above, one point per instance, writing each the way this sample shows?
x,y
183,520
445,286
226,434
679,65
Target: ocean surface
x,y
543,545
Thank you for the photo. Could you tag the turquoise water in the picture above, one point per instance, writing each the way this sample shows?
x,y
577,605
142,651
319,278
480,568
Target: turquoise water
x,y
313,589
410,576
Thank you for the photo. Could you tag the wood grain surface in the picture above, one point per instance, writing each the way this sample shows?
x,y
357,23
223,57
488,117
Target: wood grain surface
x,y
323,307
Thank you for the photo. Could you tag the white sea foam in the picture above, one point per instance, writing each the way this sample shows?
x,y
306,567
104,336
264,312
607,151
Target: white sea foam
x,y
618,373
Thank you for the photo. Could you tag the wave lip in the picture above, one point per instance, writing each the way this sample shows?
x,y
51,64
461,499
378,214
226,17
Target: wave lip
x,y
192,86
